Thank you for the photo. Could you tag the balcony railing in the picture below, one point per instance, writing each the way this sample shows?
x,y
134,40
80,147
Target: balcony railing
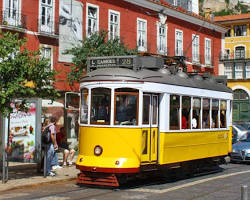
x,y
12,18
48,27
235,55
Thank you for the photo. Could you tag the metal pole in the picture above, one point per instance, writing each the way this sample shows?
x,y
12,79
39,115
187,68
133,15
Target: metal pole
x,y
45,161
244,192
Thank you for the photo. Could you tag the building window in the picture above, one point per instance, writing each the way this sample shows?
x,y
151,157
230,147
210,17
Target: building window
x,y
46,52
247,71
239,52
207,51
240,94
240,30
114,24
178,43
238,71
161,38
92,19
142,34
46,20
228,71
12,13
195,48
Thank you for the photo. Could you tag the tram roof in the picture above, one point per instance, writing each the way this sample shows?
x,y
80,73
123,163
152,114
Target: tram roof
x,y
161,75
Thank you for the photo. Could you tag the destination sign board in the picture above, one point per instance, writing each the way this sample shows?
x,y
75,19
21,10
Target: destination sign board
x,y
111,62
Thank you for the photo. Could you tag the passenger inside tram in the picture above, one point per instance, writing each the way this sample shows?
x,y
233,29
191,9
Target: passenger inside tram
x,y
126,110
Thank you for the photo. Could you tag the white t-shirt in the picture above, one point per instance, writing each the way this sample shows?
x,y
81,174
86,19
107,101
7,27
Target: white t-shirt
x,y
194,123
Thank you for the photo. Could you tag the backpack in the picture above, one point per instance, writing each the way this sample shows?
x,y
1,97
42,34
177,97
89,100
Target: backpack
x,y
46,137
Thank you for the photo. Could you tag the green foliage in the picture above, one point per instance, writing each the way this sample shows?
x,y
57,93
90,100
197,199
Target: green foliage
x,y
93,46
23,73
224,12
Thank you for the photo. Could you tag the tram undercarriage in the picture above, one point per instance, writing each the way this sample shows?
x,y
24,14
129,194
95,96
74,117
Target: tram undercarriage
x,y
168,172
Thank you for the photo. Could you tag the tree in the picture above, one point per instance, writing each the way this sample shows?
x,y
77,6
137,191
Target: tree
x,y
93,46
23,73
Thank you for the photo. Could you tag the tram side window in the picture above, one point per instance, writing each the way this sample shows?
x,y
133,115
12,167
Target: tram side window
x,y
196,113
174,112
84,106
206,113
100,106
186,115
126,108
215,110
223,110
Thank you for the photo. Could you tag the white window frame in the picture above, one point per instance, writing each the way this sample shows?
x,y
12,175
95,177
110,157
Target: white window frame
x,y
178,51
245,55
162,38
141,34
238,71
228,71
87,19
248,71
207,51
195,48
10,19
42,47
113,35
47,27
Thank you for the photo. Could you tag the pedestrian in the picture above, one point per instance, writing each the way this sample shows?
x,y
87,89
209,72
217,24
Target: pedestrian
x,y
64,147
52,147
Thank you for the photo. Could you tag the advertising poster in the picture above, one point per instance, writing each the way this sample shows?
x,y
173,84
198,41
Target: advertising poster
x,y
70,26
22,135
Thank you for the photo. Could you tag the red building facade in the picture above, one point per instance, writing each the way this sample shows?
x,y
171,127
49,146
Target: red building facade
x,y
152,26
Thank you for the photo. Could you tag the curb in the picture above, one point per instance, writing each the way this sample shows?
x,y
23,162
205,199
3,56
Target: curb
x,y
38,183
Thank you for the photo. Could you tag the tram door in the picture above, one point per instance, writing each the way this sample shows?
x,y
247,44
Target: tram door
x,y
150,128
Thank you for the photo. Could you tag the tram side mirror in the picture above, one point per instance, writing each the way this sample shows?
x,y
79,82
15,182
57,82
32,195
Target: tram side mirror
x,y
72,100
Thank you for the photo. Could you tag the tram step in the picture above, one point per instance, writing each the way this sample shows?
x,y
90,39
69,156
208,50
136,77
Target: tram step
x,y
98,179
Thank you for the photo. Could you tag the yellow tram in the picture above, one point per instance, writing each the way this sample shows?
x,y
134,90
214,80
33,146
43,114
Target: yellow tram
x,y
136,115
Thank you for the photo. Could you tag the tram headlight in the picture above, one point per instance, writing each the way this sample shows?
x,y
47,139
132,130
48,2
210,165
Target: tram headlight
x,y
98,150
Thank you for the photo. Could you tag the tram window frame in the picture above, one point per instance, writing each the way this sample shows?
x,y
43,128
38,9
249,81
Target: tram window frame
x,y
196,120
187,113
206,104
155,110
215,117
106,107
84,109
223,109
131,92
172,108
146,116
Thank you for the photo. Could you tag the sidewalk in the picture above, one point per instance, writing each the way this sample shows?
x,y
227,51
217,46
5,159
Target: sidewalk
x,y
23,175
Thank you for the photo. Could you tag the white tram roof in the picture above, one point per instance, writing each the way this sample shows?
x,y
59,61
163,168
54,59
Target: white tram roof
x,y
161,75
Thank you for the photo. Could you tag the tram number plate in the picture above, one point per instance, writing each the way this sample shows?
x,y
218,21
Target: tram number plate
x,y
111,62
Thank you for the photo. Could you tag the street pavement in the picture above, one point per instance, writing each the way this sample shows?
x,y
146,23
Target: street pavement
x,y
23,175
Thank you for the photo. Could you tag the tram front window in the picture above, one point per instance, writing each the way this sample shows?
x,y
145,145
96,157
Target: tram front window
x,y
126,109
100,106
84,106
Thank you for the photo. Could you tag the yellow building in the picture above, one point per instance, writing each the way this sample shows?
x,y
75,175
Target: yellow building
x,y
236,62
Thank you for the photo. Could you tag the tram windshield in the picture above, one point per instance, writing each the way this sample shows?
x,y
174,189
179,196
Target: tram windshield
x,y
126,108
100,106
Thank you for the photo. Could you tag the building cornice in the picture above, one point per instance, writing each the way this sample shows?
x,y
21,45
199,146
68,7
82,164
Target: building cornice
x,y
158,7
